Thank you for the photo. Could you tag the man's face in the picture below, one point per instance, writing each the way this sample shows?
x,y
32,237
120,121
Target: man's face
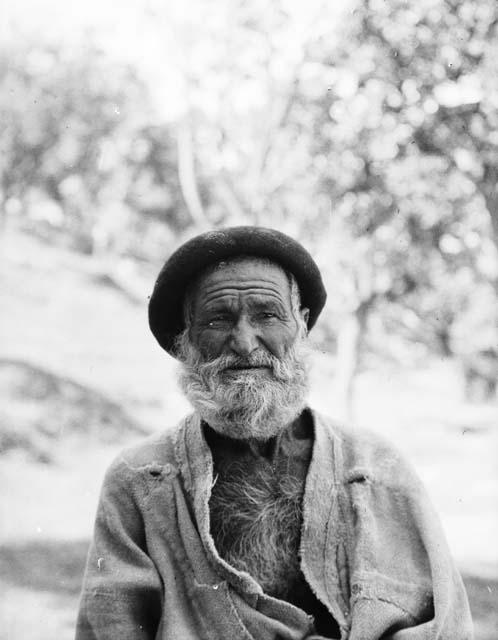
x,y
243,352
242,307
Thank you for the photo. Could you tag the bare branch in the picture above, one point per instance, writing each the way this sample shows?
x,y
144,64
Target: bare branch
x,y
186,173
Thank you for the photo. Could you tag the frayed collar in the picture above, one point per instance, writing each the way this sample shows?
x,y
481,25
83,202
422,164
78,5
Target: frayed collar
x,y
320,506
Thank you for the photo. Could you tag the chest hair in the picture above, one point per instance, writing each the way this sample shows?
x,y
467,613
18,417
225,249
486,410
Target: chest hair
x,y
256,516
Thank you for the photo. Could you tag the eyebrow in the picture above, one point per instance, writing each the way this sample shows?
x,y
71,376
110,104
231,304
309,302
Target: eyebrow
x,y
271,303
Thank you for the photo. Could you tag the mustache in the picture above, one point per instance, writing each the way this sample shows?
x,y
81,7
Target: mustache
x,y
258,358
212,370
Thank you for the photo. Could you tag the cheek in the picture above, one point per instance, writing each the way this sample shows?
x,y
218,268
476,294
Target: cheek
x,y
209,343
279,339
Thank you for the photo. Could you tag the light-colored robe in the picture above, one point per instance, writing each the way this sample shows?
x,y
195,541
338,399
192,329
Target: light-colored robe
x,y
372,550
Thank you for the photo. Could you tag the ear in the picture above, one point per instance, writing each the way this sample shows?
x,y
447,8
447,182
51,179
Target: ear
x,y
305,314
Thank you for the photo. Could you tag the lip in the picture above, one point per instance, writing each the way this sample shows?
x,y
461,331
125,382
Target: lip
x,y
246,369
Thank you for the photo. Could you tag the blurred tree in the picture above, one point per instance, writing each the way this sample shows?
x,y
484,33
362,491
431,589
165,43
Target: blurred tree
x,y
79,152
405,131
242,152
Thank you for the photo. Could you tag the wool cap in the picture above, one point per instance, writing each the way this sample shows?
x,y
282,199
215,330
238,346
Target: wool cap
x,y
166,313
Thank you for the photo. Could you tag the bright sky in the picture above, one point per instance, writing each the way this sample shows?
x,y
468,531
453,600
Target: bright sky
x,y
127,26
160,37
128,33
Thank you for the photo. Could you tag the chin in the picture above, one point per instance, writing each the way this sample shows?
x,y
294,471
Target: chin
x,y
258,425
252,374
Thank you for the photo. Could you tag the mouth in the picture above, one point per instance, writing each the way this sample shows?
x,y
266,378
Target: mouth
x,y
246,368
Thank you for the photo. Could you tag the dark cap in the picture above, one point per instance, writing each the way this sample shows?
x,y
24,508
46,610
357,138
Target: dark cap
x,y
166,318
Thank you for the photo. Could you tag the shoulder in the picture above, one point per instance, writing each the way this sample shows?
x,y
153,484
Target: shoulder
x,y
152,453
156,448
361,454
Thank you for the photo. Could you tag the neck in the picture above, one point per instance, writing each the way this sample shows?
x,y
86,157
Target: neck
x,y
262,448
268,448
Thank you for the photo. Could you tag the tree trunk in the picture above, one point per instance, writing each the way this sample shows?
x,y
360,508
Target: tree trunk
x,y
186,174
349,347
489,190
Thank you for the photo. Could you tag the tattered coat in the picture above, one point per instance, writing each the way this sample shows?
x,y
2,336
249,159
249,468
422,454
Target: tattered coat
x,y
372,550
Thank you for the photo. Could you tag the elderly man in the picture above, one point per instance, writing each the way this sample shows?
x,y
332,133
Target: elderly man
x,y
256,518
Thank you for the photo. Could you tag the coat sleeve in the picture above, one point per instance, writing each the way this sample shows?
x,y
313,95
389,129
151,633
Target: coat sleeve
x,y
451,618
405,585
121,595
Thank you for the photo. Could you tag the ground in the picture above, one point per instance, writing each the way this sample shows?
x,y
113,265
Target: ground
x,y
80,378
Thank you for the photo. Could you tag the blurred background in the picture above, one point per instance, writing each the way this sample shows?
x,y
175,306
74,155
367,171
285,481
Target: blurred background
x,y
366,129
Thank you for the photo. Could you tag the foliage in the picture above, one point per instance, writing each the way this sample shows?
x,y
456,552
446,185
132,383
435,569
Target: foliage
x,y
406,133
82,155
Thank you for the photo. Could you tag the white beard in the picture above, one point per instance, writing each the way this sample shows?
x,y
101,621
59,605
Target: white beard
x,y
255,404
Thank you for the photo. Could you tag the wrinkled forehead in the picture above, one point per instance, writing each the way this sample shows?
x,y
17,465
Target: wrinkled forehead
x,y
244,272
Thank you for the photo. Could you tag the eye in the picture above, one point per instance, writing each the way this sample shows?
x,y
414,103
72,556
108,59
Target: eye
x,y
218,320
267,315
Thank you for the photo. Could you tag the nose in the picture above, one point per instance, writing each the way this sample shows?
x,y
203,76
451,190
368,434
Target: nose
x,y
243,340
